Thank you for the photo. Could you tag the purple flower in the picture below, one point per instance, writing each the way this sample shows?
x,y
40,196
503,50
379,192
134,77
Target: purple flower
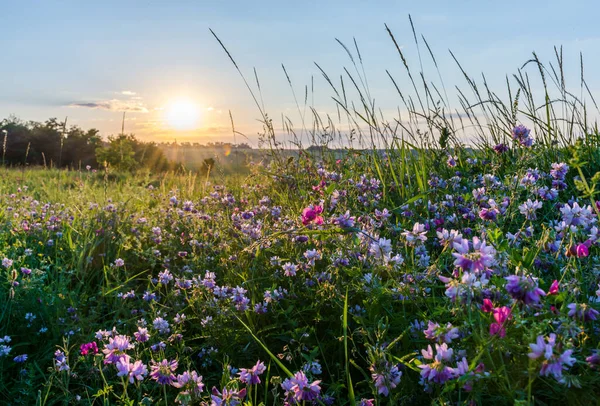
x,y
582,312
229,397
116,348
443,334
437,371
476,260
251,376
552,363
521,134
162,372
134,371
190,382
385,377
141,335
500,148
119,262
60,361
524,288
298,389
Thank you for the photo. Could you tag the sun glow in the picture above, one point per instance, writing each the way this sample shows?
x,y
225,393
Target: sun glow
x,y
182,114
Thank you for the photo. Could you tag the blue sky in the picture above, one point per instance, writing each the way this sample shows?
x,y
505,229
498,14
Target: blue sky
x,y
92,60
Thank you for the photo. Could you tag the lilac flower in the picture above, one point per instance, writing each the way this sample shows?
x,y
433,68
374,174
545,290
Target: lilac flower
x,y
529,208
162,372
60,361
289,269
116,348
582,312
594,359
385,377
298,389
134,371
191,385
119,262
443,334
7,263
559,170
521,134
161,325
417,234
229,397
141,335
479,259
252,376
524,288
553,363
437,371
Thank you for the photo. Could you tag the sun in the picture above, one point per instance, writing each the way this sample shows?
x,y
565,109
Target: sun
x,y
182,114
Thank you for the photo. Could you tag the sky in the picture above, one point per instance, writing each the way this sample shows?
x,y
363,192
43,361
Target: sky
x,y
157,61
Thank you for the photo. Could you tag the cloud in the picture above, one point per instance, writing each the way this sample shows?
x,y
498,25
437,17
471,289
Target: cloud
x,y
128,93
133,106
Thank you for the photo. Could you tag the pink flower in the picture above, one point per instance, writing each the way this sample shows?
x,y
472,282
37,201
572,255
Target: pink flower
x,y
501,315
582,250
487,306
311,214
553,288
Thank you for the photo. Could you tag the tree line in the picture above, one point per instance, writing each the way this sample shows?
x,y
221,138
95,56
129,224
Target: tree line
x,y
55,144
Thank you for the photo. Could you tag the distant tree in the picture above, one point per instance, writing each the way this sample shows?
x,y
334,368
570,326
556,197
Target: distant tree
x,y
119,153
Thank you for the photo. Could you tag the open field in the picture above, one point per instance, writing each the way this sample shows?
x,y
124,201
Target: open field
x,y
379,278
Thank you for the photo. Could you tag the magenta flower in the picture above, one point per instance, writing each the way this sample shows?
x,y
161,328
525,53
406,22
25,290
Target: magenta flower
x,y
553,288
501,315
311,214
89,348
162,372
487,306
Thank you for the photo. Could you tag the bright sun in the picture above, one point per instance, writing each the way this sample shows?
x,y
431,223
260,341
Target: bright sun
x,y
182,114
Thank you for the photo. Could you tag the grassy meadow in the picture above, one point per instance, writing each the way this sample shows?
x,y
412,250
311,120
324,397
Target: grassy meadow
x,y
411,266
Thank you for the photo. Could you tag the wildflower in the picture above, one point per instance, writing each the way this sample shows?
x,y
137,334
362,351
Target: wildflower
x,y
582,311
116,348
487,306
594,359
252,376
7,263
437,371
162,372
521,134
229,397
501,315
19,359
443,334
553,288
192,385
289,269
312,214
119,262
134,371
386,377
26,271
559,170
451,161
89,348
553,363
529,208
417,234
481,258
161,325
500,148
298,389
60,361
524,288
381,248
